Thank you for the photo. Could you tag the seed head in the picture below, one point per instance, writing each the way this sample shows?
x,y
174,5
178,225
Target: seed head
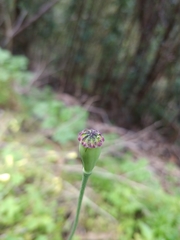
x,y
90,138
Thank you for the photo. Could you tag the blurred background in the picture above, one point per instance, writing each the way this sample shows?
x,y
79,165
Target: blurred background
x,y
109,65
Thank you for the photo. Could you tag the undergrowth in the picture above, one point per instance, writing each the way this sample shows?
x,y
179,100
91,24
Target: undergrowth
x,y
38,194
40,175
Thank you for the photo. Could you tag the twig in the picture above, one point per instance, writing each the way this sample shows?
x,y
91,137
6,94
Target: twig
x,y
19,22
108,175
43,9
100,112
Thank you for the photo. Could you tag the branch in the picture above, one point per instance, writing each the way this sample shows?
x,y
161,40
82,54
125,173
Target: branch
x,y
43,9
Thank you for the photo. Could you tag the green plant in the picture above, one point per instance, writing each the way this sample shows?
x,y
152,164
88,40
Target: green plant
x,y
12,69
89,148
37,202
61,122
134,196
29,206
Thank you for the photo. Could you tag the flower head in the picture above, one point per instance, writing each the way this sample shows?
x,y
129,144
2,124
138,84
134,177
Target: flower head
x,y
90,147
90,138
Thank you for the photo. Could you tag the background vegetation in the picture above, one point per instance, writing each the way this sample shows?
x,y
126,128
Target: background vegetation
x,y
123,51
120,56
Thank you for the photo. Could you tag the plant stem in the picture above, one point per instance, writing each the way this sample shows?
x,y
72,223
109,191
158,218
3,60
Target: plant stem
x,y
81,194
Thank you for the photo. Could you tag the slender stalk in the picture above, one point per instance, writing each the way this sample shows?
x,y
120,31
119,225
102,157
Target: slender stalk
x,y
81,194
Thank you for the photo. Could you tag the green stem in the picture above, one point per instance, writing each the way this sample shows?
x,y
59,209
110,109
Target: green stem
x,y
81,194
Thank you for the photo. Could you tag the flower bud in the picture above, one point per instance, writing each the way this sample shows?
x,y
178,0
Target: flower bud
x,y
90,148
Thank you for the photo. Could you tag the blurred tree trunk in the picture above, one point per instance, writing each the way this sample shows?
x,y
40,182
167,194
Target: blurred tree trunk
x,y
165,55
125,52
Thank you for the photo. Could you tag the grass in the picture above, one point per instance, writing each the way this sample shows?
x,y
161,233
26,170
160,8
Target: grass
x,y
40,174
40,181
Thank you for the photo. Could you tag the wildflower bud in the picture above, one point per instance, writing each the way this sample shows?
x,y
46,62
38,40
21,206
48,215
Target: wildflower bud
x,y
90,142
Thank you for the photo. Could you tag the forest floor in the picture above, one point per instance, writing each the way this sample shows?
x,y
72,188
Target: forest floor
x,y
133,193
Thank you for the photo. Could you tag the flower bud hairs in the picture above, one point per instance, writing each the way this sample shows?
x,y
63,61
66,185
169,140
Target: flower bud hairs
x,y
90,142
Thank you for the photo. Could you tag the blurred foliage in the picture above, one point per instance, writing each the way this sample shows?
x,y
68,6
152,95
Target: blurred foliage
x,y
143,209
38,192
125,51
61,122
36,199
11,68
29,188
